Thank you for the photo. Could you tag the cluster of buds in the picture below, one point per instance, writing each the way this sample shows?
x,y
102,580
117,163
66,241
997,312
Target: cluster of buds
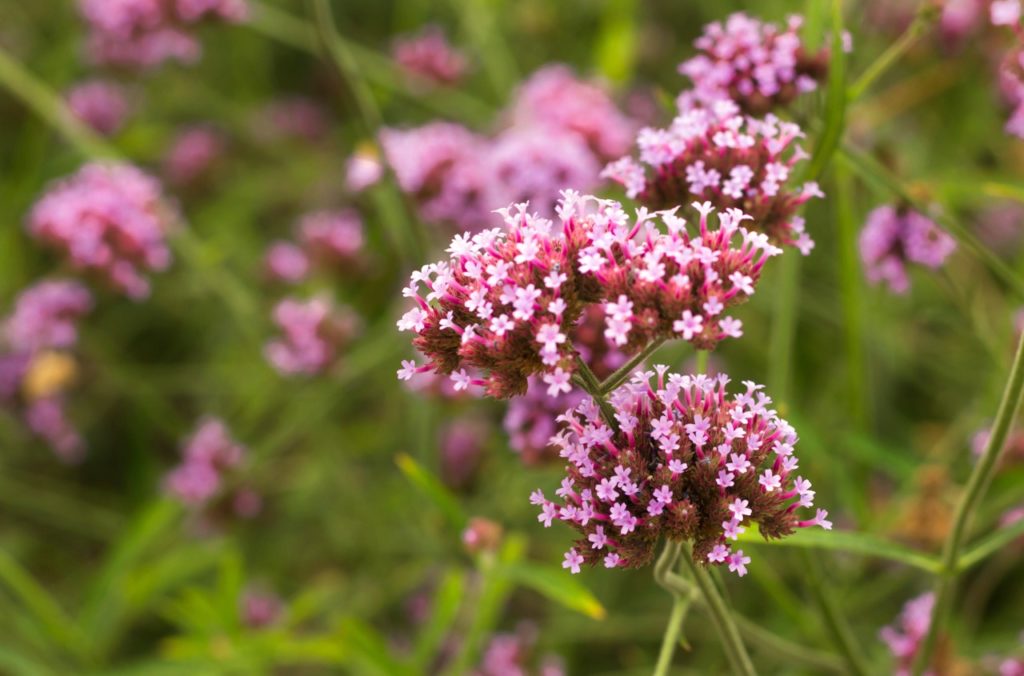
x,y
110,220
428,56
904,638
329,239
508,300
100,104
758,65
893,237
683,461
717,154
560,129
146,33
313,333
36,365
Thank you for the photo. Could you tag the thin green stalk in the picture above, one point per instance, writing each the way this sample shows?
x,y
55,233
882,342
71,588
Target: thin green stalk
x,y
729,634
47,105
481,25
388,198
622,373
670,640
589,383
851,294
894,53
784,327
977,485
702,361
835,621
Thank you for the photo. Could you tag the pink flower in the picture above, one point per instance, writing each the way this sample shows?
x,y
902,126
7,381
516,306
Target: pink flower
x,y
260,609
758,65
100,104
429,56
905,636
362,170
286,262
716,155
554,97
110,220
618,477
45,316
298,118
193,152
313,332
336,236
46,419
892,238
206,456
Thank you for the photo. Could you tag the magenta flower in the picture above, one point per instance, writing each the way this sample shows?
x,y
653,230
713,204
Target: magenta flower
x,y
758,65
260,609
1011,76
684,462
109,220
717,154
905,636
894,237
440,166
100,104
362,170
145,33
554,97
510,654
193,152
298,117
462,446
506,303
45,316
428,55
286,262
206,456
332,236
313,333
530,421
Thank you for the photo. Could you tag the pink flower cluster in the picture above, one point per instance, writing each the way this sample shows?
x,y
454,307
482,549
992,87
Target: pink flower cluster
x,y
682,461
530,420
905,636
330,238
207,456
514,654
758,65
507,301
893,237
312,334
428,55
192,154
42,324
100,104
45,317
260,609
146,33
110,220
717,154
554,97
560,128
1012,79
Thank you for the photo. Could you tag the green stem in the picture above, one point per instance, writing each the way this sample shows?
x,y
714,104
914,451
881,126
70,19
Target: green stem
x,y
850,290
702,361
388,198
672,632
622,373
835,621
47,105
784,328
589,383
729,634
977,485
895,51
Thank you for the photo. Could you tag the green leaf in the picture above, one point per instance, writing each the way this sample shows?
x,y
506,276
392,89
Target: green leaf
x,y
989,545
850,542
445,604
370,650
615,51
556,585
432,487
41,607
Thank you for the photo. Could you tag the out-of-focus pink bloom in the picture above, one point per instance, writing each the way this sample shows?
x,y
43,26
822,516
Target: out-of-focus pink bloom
x,y
893,237
362,170
46,419
439,165
298,117
100,104
530,421
313,332
145,33
555,97
513,655
107,219
429,56
757,65
904,637
1004,12
286,262
1000,225
336,236
462,447
45,316
260,609
1011,80
206,456
247,503
192,153
535,163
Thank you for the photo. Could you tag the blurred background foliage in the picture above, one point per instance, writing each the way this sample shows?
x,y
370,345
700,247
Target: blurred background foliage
x,y
100,573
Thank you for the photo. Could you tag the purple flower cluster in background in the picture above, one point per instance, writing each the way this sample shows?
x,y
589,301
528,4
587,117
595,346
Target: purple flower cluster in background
x,y
313,333
101,104
894,237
